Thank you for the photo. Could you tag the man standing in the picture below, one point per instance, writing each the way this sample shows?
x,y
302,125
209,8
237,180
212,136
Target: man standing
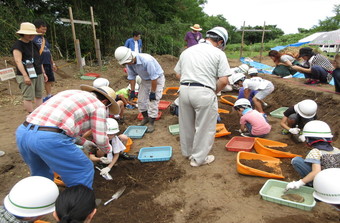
x,y
46,57
203,70
46,140
135,42
151,86
192,37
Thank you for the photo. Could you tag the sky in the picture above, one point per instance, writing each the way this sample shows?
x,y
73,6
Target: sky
x,y
288,15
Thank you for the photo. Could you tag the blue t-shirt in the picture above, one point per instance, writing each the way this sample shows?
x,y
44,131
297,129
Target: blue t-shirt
x,y
46,54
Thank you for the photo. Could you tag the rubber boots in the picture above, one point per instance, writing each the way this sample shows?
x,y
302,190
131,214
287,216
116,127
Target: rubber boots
x,y
145,118
151,126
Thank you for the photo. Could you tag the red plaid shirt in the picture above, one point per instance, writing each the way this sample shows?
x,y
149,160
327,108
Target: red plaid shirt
x,y
75,112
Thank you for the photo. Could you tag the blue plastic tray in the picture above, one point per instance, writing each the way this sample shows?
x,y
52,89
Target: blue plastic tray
x,y
135,131
154,154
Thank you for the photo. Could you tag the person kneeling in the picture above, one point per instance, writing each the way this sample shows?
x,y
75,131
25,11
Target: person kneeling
x,y
251,120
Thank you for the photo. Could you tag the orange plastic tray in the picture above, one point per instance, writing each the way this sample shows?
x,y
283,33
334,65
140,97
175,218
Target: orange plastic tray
x,y
225,101
239,143
128,145
260,147
163,105
221,130
57,180
171,88
220,110
270,161
140,116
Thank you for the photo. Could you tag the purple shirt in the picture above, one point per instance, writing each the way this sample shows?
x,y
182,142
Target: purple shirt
x,y
192,38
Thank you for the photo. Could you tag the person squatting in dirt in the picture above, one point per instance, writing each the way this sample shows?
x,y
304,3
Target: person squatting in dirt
x,y
297,116
316,67
252,123
29,200
152,82
118,144
46,140
262,86
197,99
317,134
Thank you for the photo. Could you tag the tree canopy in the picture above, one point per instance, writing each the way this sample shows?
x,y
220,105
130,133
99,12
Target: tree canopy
x,y
163,23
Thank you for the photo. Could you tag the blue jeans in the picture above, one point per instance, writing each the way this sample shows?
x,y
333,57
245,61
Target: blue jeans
x,y
301,166
47,152
318,73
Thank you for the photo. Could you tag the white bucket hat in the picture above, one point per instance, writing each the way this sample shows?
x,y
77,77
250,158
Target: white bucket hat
x,y
196,27
27,28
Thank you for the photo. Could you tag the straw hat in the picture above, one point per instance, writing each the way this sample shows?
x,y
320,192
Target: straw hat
x,y
27,28
196,27
106,92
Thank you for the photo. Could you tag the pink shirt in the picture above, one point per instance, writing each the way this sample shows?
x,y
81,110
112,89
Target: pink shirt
x,y
259,124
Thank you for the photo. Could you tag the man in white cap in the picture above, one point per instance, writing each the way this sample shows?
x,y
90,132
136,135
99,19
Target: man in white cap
x,y
46,140
152,82
203,70
192,37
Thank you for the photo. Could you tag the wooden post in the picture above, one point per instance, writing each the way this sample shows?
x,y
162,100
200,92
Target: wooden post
x,y
76,42
264,28
96,43
241,49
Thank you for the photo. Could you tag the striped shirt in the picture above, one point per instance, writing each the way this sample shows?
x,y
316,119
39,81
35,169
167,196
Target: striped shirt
x,y
322,61
75,112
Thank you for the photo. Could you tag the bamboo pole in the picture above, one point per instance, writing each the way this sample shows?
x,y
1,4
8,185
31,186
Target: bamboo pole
x,y
96,43
264,28
241,49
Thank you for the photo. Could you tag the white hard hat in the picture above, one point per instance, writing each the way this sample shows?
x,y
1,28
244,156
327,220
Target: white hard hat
x,y
317,129
31,197
326,186
244,68
306,108
101,82
219,31
112,126
124,55
242,102
237,77
252,71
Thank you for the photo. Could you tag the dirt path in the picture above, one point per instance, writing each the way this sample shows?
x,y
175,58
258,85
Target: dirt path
x,y
173,191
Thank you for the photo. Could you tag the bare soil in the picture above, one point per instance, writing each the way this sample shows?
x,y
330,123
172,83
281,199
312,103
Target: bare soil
x,y
173,191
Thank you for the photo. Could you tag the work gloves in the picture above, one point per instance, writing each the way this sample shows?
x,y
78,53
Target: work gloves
x,y
132,95
89,145
105,171
105,160
152,96
295,185
294,131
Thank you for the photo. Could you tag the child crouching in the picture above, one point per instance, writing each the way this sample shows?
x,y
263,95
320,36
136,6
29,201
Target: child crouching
x,y
252,123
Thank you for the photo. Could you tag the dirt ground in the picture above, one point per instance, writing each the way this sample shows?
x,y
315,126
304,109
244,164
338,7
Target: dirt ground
x,y
173,191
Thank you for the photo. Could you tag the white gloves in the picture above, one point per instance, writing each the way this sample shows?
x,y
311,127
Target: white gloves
x,y
295,185
294,131
105,171
302,138
105,160
89,145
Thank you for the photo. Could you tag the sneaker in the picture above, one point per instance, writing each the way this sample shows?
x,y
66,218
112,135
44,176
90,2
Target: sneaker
x,y
309,81
284,132
209,159
329,77
288,76
126,156
47,97
246,134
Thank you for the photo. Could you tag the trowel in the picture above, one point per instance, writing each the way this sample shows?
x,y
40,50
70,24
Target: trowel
x,y
116,195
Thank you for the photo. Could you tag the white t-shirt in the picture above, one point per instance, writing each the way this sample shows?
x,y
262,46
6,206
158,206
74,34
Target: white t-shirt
x,y
136,46
255,83
285,58
202,63
117,145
